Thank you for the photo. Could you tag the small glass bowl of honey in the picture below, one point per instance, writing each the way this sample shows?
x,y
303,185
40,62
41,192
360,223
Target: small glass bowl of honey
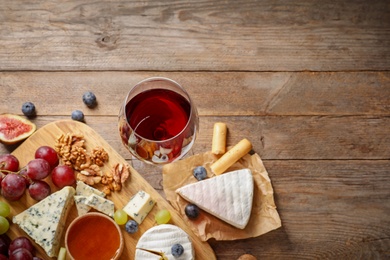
x,y
94,236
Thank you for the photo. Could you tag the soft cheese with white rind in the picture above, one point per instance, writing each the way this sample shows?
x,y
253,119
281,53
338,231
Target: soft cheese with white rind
x,y
146,255
44,222
161,238
228,196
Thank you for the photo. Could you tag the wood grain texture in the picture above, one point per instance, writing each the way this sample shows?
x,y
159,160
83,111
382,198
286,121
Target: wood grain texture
x,y
215,94
307,82
48,134
195,35
279,138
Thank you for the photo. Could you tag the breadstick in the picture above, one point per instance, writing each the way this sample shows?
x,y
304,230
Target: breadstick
x,y
232,156
219,138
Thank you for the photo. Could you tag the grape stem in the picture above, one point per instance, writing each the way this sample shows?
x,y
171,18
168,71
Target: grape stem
x,y
5,172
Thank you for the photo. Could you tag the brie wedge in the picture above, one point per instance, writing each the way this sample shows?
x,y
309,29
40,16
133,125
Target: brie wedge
x,y
158,241
45,221
228,196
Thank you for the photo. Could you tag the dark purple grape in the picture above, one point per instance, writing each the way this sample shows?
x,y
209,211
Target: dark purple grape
x,y
21,242
39,190
13,187
38,169
21,254
5,241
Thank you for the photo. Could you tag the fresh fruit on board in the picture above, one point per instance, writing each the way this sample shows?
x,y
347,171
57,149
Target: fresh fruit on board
x,y
8,163
19,248
63,175
14,128
162,217
49,154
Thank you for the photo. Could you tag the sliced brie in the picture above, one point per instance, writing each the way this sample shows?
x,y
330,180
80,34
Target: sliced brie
x,y
146,255
159,240
45,221
228,196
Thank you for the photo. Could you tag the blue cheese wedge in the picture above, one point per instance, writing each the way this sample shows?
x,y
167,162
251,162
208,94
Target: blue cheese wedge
x,y
228,196
101,204
44,222
85,192
82,207
83,189
139,206
158,241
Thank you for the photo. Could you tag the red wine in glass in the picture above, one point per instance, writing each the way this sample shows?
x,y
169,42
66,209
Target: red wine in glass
x,y
158,122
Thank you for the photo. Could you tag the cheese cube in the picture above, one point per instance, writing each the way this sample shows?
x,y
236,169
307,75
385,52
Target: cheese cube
x,y
139,206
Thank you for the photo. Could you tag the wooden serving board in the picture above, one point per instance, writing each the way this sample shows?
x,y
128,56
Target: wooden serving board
x,y
47,135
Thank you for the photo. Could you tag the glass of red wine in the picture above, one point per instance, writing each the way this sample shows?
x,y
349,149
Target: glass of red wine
x,y
158,122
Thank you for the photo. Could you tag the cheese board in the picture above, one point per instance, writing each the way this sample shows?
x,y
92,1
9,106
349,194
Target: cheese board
x,y
47,135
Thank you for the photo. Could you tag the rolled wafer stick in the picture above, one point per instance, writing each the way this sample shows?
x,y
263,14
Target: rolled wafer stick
x,y
219,138
231,156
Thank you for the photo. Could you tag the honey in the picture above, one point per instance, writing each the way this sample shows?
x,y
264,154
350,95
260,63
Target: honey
x,y
93,237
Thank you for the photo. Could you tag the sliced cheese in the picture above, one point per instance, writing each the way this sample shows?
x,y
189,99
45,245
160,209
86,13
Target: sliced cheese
x,y
228,196
160,239
86,190
88,197
82,207
101,204
146,255
139,206
44,222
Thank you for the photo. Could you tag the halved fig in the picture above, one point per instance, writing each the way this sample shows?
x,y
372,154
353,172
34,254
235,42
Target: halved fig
x,y
14,128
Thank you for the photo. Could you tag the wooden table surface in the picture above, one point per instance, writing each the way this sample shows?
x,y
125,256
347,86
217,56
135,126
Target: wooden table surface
x,y
307,82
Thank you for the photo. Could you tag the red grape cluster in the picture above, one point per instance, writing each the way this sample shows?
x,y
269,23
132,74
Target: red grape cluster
x,y
20,248
14,182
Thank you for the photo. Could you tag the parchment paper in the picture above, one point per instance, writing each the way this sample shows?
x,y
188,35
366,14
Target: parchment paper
x,y
264,216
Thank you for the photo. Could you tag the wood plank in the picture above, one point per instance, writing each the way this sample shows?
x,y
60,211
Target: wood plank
x,y
329,209
279,137
195,35
215,94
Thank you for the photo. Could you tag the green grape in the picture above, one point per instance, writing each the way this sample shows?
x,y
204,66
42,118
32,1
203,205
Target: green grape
x,y
4,225
120,217
162,217
4,209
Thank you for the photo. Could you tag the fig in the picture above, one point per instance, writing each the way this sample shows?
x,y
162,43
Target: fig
x,y
14,128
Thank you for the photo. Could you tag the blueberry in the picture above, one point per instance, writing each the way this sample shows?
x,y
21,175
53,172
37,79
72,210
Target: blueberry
x,y
200,173
131,226
177,250
192,211
78,115
89,99
28,109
